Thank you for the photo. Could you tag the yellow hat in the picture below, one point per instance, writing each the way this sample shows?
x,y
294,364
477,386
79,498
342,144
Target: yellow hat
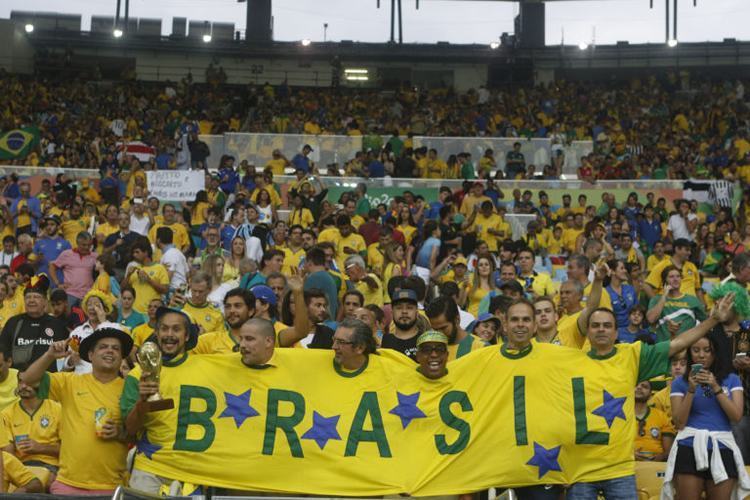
x,y
106,300
460,260
432,336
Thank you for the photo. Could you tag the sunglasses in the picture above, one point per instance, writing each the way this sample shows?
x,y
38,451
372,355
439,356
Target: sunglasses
x,y
429,349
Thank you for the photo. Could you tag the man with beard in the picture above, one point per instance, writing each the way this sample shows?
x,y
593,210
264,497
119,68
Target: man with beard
x,y
239,306
319,336
443,315
432,354
175,335
405,324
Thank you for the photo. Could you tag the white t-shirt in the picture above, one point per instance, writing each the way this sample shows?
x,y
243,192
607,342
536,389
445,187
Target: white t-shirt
x,y
254,249
177,264
6,258
678,227
140,226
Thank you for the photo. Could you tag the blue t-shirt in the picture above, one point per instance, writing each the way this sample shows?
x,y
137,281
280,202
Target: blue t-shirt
x,y
376,169
49,249
706,413
625,336
135,319
423,257
622,304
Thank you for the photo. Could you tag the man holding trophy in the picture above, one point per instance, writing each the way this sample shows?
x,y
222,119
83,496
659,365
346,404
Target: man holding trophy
x,y
150,389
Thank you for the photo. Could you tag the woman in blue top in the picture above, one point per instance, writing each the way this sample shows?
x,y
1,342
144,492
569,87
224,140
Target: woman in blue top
x,y
623,295
427,256
709,399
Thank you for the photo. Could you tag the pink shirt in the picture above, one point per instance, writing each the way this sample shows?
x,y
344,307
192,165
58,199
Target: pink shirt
x,y
78,271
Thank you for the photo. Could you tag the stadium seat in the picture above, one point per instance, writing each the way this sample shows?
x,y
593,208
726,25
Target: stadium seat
x,y
649,478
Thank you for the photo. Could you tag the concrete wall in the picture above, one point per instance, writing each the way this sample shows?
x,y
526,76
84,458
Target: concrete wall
x,y
16,54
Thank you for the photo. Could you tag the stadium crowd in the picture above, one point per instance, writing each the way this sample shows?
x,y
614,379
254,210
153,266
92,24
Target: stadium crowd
x,y
89,272
676,127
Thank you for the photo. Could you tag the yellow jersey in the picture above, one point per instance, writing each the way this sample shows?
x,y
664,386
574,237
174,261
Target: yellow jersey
x,y
8,389
568,332
180,236
220,342
372,295
650,429
144,292
354,241
302,217
15,473
691,282
85,400
463,347
42,426
207,317
291,260
70,229
331,234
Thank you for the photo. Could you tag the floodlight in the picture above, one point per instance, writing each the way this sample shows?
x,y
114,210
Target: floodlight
x,y
583,45
117,33
672,43
494,45
306,42
29,28
207,38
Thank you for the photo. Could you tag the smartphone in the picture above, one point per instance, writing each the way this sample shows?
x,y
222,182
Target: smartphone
x,y
694,369
740,355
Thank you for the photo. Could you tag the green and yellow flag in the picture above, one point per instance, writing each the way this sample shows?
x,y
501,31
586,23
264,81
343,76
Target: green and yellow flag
x,y
300,424
18,143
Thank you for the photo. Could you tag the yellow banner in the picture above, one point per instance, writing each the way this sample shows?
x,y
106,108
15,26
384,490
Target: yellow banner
x,y
552,415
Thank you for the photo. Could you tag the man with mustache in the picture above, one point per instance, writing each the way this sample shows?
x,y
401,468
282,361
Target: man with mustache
x,y
406,324
443,315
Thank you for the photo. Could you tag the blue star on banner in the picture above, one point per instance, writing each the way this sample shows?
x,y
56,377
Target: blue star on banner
x,y
545,459
407,409
238,407
323,429
147,447
611,409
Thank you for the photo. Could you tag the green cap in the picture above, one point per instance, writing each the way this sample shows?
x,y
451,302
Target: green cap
x,y
432,336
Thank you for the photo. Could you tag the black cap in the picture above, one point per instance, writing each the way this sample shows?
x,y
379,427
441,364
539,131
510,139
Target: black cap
x,y
102,333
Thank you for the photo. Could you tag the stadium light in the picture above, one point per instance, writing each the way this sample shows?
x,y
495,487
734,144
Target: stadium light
x,y
29,28
117,33
494,45
672,43
207,38
583,45
306,42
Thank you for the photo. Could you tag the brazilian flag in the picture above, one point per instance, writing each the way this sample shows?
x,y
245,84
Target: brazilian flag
x,y
17,143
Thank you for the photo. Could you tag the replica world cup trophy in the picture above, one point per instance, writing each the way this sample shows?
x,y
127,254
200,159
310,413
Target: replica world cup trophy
x,y
149,357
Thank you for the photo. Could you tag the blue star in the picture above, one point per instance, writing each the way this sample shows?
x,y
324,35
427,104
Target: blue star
x,y
147,447
323,429
407,409
611,409
238,407
545,459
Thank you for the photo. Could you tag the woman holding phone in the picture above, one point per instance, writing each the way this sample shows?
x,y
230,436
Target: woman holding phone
x,y
705,402
673,312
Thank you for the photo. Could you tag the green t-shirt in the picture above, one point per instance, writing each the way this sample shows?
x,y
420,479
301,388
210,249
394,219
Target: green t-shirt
x,y
467,171
685,310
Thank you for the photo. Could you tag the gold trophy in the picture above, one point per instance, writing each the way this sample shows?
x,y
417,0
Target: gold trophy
x,y
149,357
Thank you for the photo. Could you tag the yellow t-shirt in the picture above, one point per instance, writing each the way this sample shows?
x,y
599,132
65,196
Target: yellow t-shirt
x,y
691,282
141,333
468,344
23,219
654,424
329,234
604,301
8,389
276,166
180,236
275,198
15,473
372,295
354,241
475,296
541,284
568,332
408,232
144,292
483,224
208,317
106,229
199,212
71,228
357,221
43,426
661,400
653,260
84,399
302,217
569,238
375,259
291,259
221,342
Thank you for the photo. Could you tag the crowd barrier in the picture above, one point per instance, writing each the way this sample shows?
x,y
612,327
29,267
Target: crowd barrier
x,y
257,148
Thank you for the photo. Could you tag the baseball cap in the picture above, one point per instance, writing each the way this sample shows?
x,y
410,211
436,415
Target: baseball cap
x,y
432,336
460,261
264,293
404,294
308,147
512,285
53,218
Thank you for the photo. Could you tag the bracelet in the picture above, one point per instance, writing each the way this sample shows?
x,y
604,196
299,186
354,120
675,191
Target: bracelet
x,y
720,391
691,392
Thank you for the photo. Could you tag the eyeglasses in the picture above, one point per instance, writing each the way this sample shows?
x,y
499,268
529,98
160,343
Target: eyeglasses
x,y
342,342
429,349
